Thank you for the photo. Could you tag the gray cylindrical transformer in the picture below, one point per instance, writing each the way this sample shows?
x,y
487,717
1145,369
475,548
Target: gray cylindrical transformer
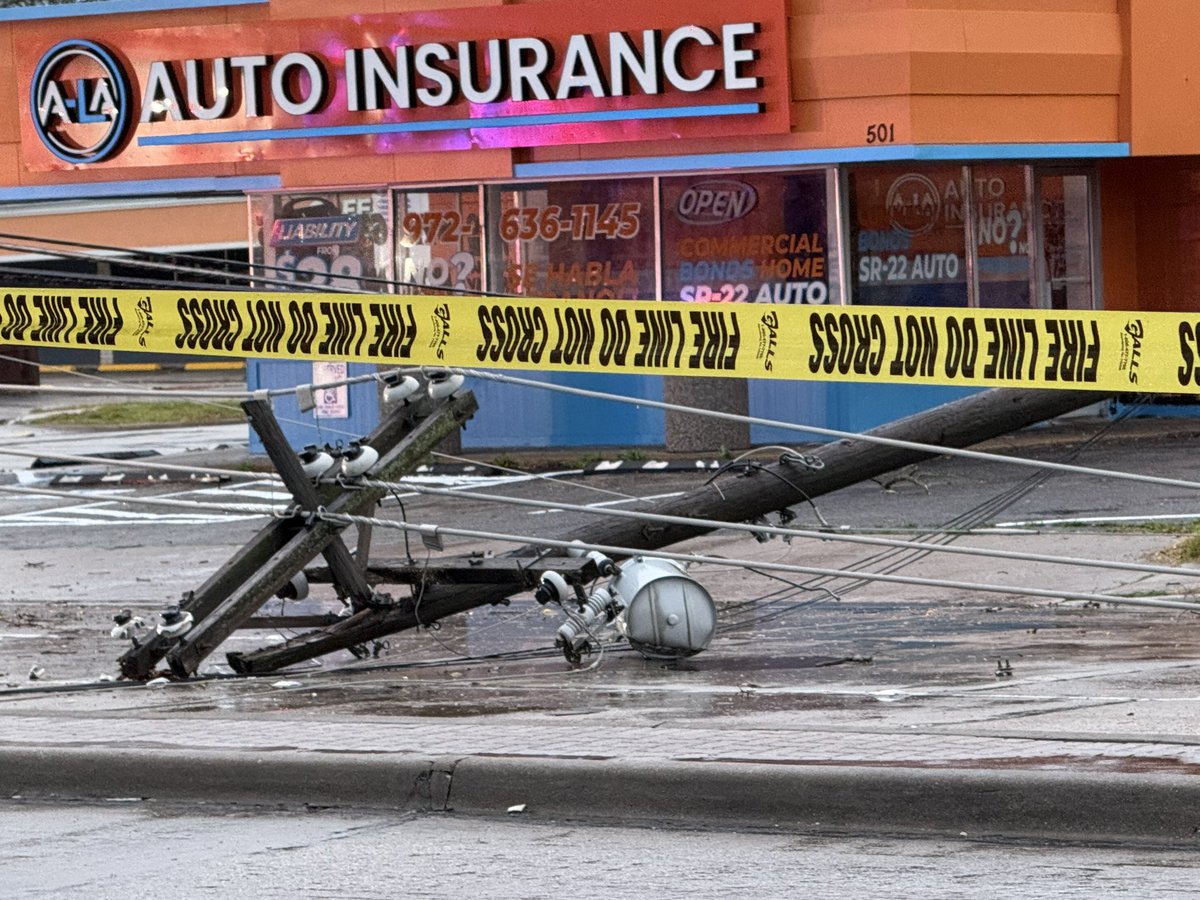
x,y
668,614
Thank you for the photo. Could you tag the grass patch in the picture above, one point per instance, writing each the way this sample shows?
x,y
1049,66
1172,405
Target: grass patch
x,y
1179,526
1175,526
135,414
505,461
1186,549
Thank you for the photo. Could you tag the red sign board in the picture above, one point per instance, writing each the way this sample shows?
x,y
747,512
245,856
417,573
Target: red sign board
x,y
453,79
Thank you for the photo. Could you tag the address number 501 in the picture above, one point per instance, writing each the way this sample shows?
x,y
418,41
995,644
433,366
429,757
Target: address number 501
x,y
881,133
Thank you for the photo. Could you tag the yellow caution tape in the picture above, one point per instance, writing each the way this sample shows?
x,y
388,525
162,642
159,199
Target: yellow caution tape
x,y
1114,351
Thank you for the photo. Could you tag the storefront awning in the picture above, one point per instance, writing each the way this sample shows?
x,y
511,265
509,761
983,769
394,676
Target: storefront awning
x,y
191,224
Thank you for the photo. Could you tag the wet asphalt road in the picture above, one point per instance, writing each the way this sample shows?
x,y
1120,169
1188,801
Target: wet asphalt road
x,y
124,850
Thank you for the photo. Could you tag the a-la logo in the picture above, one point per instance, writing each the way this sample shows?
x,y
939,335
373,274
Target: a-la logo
x,y
80,101
913,204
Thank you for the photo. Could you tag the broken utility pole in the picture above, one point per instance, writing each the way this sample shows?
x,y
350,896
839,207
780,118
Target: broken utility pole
x,y
761,490
282,548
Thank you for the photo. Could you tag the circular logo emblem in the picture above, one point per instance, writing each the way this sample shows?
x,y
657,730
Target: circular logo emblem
x,y
79,101
913,204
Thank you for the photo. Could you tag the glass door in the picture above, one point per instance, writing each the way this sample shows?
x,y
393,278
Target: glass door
x,y
1066,261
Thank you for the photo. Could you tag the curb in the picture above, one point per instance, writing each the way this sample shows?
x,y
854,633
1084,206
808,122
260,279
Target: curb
x,y
109,368
147,476
1012,804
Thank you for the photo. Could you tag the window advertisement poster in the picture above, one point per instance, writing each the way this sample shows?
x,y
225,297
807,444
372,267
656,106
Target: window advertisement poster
x,y
438,234
908,236
746,238
333,240
1002,236
573,239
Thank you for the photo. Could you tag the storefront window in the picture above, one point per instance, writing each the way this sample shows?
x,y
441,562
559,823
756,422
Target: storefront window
x,y
336,240
585,239
908,236
438,235
1002,236
907,230
760,237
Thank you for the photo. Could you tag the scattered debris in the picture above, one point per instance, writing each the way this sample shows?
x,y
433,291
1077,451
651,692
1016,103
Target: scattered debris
x,y
907,474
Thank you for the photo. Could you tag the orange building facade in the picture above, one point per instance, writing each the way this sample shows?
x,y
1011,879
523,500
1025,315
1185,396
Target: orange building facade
x,y
994,153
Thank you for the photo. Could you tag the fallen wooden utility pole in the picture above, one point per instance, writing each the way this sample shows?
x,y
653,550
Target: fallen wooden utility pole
x,y
761,490
282,548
